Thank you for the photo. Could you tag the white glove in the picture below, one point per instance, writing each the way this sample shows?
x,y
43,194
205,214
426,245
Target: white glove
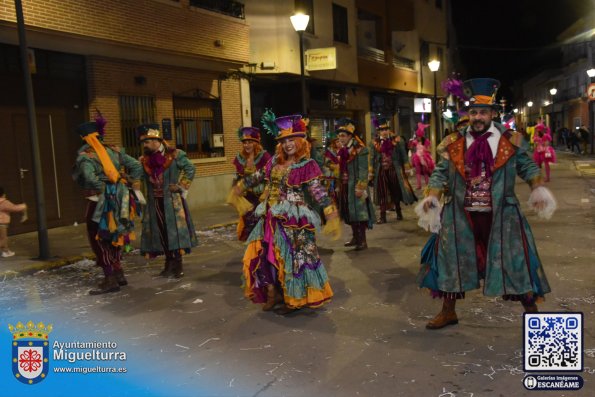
x,y
429,219
543,202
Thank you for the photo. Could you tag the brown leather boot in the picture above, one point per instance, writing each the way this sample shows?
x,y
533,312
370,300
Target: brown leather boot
x,y
273,298
530,308
120,277
284,310
166,272
109,284
177,270
447,315
362,244
354,231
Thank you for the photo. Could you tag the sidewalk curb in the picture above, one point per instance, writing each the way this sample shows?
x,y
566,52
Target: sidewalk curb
x,y
36,266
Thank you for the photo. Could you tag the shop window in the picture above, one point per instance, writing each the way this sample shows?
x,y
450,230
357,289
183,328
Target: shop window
x,y
340,26
134,111
199,127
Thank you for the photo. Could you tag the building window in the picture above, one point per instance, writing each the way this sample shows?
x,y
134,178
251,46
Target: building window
x,y
440,55
306,7
134,111
225,7
199,127
340,31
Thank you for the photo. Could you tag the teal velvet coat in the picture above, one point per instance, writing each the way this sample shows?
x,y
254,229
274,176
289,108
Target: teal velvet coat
x,y
399,159
88,173
180,229
360,209
513,266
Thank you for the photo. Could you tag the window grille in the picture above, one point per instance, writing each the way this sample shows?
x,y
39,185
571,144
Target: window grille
x,y
134,111
198,127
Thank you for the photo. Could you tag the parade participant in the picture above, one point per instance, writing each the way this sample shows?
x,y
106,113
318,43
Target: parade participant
x,y
480,233
544,153
281,263
6,208
107,173
421,158
355,206
387,171
252,158
167,226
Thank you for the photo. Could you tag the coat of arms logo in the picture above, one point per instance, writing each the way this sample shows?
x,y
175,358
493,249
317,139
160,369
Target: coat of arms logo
x,y
30,351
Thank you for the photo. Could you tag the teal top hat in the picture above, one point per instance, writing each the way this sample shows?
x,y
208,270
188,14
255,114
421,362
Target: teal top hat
x,y
345,125
148,131
86,128
481,92
381,123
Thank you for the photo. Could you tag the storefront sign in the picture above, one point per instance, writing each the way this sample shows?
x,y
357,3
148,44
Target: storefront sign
x,y
422,105
321,59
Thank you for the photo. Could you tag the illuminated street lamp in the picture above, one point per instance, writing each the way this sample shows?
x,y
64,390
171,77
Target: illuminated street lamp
x,y
591,72
530,103
553,91
300,23
434,65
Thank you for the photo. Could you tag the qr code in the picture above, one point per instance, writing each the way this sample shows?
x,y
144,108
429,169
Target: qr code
x,y
553,341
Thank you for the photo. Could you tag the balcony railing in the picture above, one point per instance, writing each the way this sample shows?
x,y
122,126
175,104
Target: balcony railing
x,y
227,7
400,62
371,54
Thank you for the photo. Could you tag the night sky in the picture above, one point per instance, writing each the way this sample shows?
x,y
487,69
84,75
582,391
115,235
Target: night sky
x,y
509,40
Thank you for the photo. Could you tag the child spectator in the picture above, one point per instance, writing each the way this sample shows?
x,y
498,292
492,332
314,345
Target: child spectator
x,y
6,207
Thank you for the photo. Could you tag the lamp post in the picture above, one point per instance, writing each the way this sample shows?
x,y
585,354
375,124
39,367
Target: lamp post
x,y
300,23
434,65
591,74
553,91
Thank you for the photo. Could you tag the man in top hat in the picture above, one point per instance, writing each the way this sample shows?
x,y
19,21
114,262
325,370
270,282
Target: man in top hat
x,y
355,206
387,171
167,226
251,159
481,232
107,173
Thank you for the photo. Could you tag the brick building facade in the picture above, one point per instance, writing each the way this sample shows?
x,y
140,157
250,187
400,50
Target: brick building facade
x,y
144,61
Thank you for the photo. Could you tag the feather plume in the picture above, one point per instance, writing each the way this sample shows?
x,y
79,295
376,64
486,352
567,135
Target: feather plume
x,y
101,122
268,122
375,122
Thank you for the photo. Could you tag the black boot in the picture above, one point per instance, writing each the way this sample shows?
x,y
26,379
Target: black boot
x,y
166,272
362,244
176,268
120,277
109,284
382,218
354,231
399,213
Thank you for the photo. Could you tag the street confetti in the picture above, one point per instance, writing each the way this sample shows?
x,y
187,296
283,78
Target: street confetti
x,y
207,341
